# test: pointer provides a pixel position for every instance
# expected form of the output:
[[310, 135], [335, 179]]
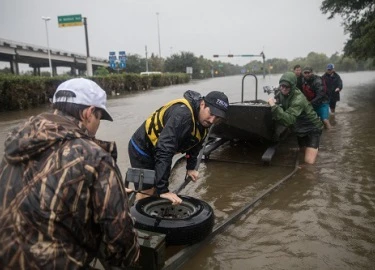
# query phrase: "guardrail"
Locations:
[[37, 48]]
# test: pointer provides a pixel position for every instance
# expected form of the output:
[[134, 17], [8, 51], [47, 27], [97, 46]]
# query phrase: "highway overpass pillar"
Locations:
[[36, 71], [89, 66], [14, 65]]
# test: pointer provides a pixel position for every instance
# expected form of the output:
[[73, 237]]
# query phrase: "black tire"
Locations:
[[187, 223]]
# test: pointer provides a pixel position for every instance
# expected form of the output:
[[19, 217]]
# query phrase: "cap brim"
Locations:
[[287, 84], [217, 112], [106, 116]]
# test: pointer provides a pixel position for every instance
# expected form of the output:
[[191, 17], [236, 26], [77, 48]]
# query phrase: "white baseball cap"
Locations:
[[86, 92]]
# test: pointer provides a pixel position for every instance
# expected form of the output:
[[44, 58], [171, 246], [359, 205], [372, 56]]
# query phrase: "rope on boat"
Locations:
[[182, 256]]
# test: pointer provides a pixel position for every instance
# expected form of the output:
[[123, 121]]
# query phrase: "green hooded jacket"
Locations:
[[294, 110]]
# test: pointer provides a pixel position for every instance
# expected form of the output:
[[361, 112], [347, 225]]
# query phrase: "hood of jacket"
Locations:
[[40, 133], [290, 78], [194, 99]]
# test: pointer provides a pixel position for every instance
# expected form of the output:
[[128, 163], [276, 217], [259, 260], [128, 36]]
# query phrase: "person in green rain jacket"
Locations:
[[291, 109]]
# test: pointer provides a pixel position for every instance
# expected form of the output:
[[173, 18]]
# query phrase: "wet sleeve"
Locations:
[[287, 117], [192, 154], [319, 92], [339, 82], [177, 126], [119, 246]]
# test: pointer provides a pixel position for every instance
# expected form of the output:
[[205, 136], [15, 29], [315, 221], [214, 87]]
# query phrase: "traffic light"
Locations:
[[230, 55], [216, 55]]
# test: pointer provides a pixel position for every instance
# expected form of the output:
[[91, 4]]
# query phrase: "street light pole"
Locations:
[[88, 58], [46, 19], [146, 59], [157, 16]]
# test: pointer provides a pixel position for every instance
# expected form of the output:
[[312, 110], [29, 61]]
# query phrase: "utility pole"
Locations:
[[46, 19], [146, 59], [157, 16]]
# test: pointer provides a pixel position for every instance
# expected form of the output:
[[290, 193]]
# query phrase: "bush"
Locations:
[[21, 92]]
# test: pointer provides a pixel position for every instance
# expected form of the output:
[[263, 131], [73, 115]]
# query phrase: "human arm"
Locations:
[[111, 211], [320, 94], [192, 159], [193, 174], [177, 127], [339, 83], [172, 197], [286, 117]]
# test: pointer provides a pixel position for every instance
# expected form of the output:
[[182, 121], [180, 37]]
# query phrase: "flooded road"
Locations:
[[321, 218]]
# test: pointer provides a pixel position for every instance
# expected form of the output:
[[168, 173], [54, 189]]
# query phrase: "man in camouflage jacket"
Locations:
[[62, 199]]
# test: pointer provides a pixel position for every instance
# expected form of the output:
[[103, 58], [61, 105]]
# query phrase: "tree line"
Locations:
[[205, 68]]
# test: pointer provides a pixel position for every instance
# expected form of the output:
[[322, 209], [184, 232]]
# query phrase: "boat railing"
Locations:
[[256, 86]]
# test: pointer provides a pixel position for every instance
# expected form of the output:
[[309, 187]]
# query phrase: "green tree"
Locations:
[[348, 64], [335, 58], [155, 63], [359, 22], [178, 63], [318, 61], [297, 61], [135, 64], [204, 67], [278, 65], [101, 71]]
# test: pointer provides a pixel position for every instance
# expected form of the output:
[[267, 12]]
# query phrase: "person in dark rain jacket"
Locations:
[[62, 195], [313, 88], [334, 86], [179, 126], [292, 109]]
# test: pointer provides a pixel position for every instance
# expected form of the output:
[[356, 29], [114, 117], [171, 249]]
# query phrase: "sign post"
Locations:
[[247, 55], [76, 20], [112, 60], [122, 58]]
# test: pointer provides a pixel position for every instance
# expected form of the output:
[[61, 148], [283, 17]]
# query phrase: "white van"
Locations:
[[151, 73]]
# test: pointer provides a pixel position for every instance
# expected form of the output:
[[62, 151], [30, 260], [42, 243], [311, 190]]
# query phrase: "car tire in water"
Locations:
[[186, 223]]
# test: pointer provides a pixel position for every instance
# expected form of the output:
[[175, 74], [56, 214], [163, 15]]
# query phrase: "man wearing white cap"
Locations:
[[62, 195]]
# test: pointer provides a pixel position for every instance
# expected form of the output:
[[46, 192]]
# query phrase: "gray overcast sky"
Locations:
[[282, 28]]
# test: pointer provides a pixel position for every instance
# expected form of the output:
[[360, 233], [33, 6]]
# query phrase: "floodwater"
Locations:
[[321, 218]]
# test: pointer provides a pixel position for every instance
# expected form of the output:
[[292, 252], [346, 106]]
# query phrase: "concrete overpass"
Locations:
[[37, 57]]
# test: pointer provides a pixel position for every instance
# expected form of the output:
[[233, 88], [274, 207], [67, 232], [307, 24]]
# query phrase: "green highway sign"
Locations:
[[70, 20]]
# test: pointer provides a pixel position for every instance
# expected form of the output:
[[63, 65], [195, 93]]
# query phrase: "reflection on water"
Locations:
[[322, 218]]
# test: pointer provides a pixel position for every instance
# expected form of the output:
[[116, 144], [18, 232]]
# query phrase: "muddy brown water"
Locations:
[[321, 218]]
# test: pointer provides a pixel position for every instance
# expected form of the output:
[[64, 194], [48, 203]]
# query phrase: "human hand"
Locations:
[[271, 101], [337, 90], [193, 175], [172, 197]]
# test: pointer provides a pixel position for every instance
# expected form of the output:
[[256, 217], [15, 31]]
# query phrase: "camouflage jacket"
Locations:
[[61, 198]]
